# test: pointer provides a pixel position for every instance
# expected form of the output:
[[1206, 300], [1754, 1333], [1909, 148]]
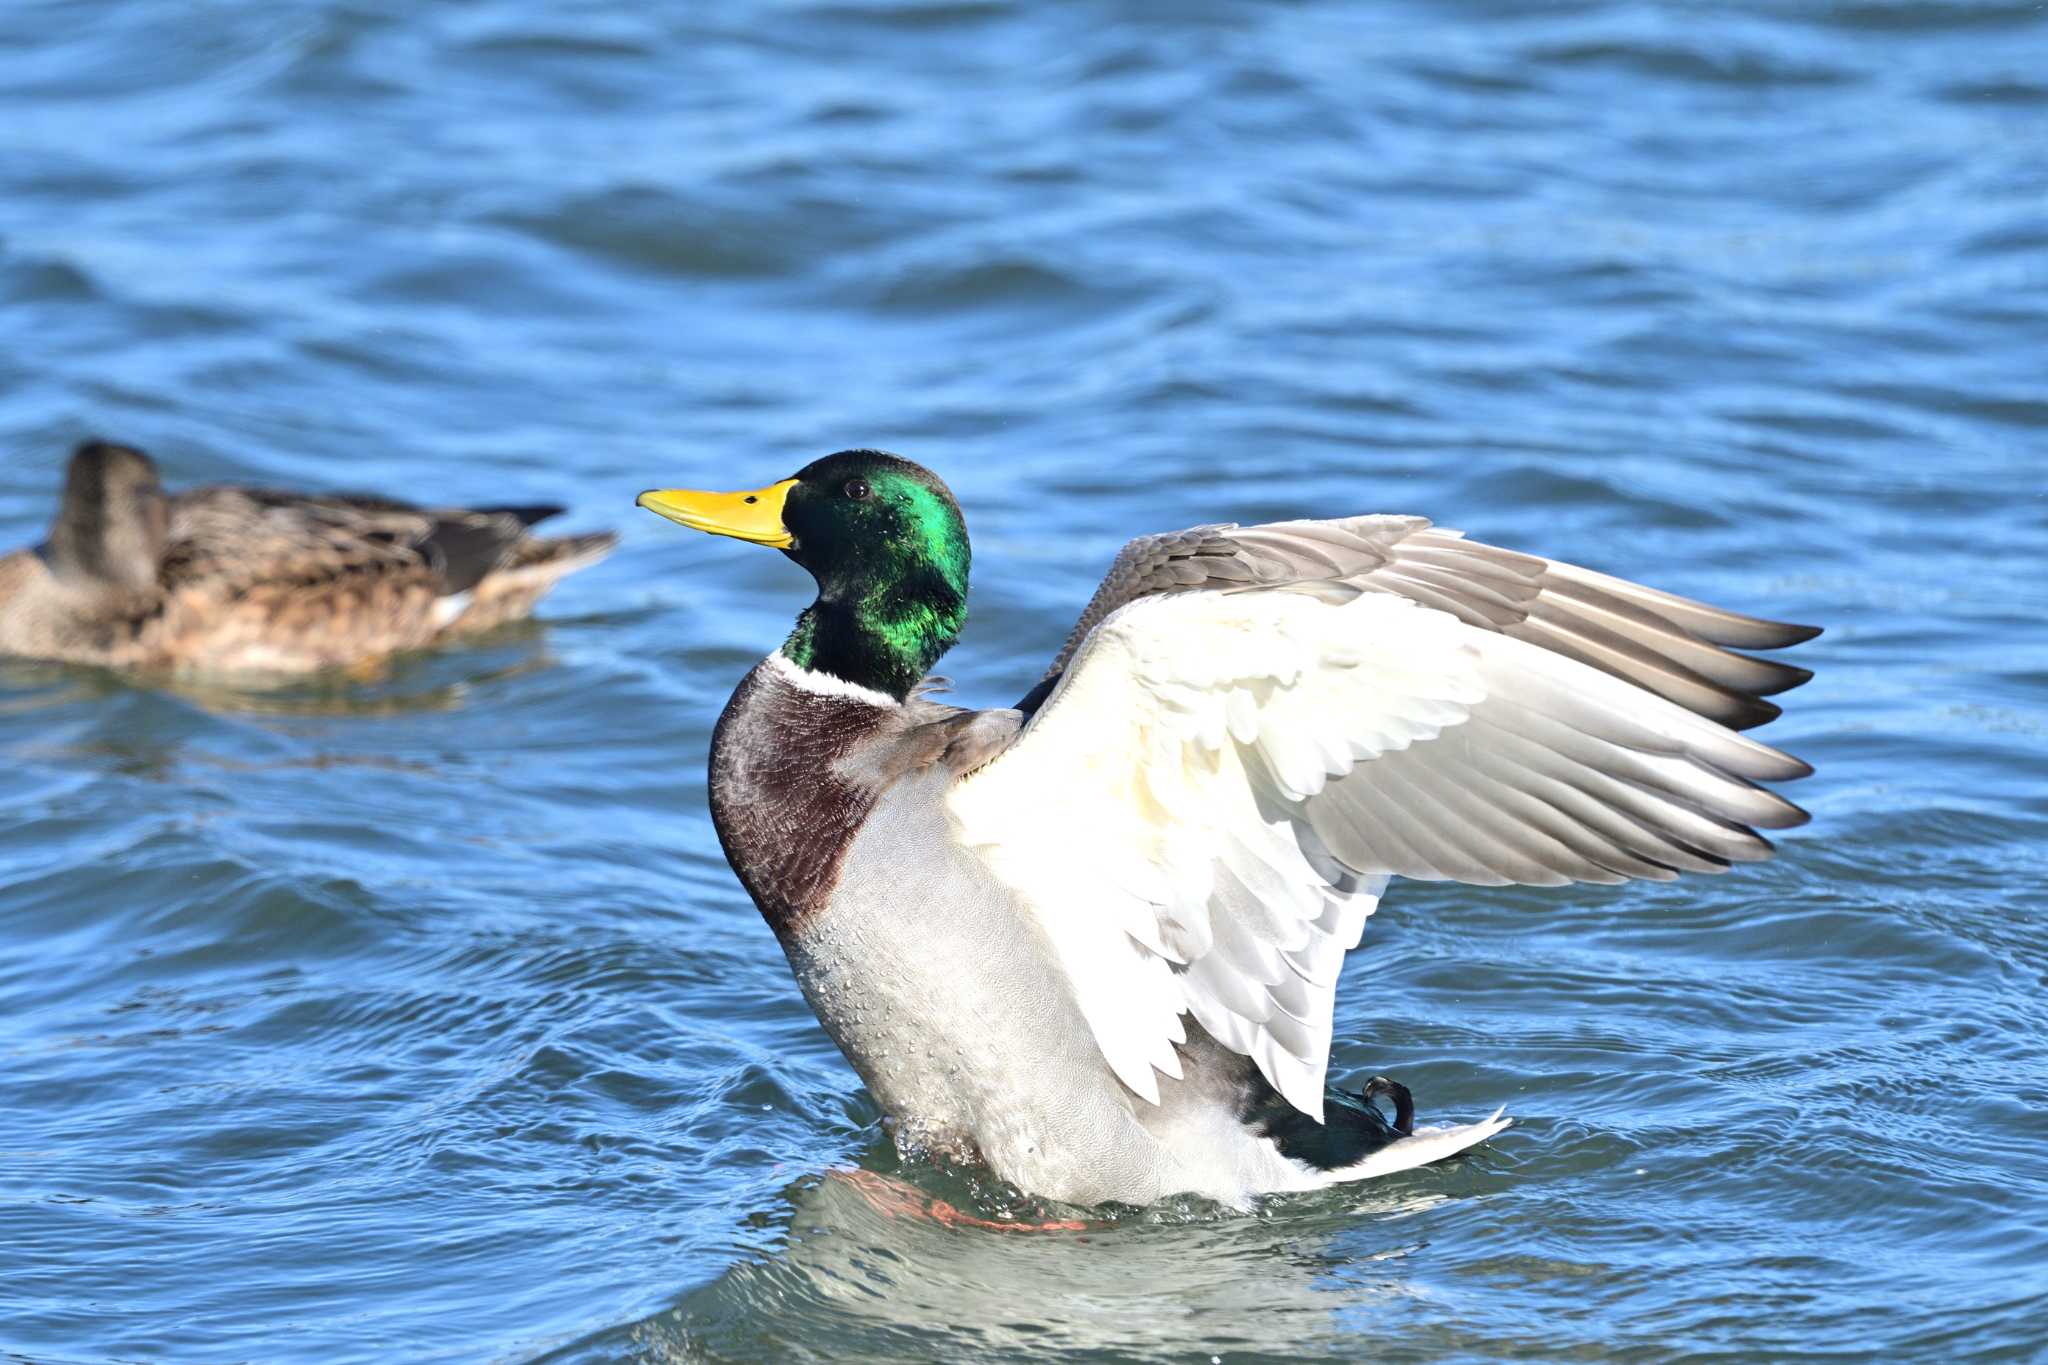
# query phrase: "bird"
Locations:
[[230, 580], [1091, 942]]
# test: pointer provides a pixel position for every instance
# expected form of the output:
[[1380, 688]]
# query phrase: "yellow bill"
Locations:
[[754, 516]]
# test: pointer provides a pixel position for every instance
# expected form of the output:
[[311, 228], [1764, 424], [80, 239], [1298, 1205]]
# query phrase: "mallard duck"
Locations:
[[227, 579], [1093, 941]]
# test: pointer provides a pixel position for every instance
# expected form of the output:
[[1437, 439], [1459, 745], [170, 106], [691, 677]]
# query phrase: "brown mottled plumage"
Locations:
[[227, 579]]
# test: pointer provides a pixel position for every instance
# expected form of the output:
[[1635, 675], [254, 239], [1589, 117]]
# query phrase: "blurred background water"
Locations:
[[420, 1019]]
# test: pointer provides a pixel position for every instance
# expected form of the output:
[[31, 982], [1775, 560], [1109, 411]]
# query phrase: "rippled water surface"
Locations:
[[419, 1018]]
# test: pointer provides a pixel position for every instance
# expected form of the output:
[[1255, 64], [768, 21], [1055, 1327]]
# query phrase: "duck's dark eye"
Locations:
[[858, 489]]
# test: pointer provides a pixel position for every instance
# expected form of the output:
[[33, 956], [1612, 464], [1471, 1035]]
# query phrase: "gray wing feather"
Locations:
[[1173, 561], [1682, 650]]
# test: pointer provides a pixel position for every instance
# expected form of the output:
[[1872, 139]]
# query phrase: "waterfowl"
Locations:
[[1093, 940], [230, 579]]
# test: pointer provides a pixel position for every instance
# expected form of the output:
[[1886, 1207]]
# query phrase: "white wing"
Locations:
[[1208, 804]]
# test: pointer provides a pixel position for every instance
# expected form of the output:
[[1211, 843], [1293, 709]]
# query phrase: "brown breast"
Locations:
[[784, 797]]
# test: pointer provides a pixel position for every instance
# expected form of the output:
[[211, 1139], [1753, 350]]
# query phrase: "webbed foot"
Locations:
[[897, 1198]]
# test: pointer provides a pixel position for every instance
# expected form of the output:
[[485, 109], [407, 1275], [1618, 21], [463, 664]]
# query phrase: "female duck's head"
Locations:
[[113, 523], [884, 540]]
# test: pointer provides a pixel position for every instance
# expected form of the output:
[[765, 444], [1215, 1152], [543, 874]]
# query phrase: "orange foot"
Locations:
[[901, 1199]]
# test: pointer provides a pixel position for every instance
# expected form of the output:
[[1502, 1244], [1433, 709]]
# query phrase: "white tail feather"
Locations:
[[1423, 1146]]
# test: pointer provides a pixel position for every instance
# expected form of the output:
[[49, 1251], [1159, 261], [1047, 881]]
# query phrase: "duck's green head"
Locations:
[[886, 543]]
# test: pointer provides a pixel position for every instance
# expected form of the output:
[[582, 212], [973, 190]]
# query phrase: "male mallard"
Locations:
[[1094, 941], [248, 579]]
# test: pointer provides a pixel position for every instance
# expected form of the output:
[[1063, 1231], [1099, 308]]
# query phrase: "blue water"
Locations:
[[419, 1018]]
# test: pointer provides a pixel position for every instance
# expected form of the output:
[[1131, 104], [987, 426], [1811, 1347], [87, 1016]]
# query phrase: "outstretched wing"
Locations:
[[1256, 727]]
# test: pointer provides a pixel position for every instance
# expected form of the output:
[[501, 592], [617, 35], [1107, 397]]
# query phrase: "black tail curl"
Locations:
[[1403, 1101], [1353, 1126]]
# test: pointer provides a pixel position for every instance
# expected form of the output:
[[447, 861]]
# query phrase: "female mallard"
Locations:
[[247, 579], [1094, 941]]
